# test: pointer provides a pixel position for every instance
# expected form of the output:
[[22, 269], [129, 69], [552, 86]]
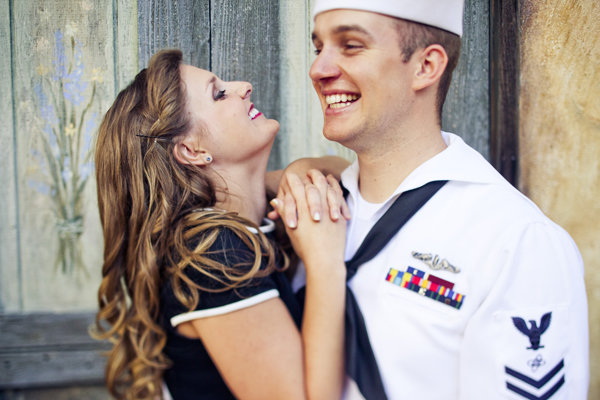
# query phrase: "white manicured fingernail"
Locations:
[[317, 216]]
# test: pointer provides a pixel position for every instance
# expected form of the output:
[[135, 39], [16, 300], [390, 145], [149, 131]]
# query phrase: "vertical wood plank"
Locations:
[[294, 134], [245, 46], [466, 111], [301, 132], [182, 24], [504, 88], [10, 282], [36, 59], [125, 33]]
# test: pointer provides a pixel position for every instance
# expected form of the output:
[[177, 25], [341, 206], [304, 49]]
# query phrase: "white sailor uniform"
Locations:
[[479, 296]]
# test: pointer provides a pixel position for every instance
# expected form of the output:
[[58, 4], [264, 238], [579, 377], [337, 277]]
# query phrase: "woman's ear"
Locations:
[[188, 151], [432, 64]]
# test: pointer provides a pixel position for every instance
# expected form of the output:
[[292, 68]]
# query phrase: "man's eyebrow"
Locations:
[[345, 28]]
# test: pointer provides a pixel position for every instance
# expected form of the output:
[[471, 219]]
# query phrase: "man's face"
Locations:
[[362, 83]]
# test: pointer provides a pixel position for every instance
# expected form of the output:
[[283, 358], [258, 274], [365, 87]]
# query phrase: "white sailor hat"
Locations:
[[444, 14]]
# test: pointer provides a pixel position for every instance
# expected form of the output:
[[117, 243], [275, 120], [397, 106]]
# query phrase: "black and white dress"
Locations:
[[193, 374]]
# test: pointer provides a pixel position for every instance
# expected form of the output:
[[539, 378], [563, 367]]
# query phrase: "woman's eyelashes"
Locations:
[[220, 95]]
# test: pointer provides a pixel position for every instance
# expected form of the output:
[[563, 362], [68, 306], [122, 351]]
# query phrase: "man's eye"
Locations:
[[220, 95], [352, 46]]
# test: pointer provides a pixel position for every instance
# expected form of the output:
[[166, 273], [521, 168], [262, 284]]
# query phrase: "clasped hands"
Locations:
[[314, 212]]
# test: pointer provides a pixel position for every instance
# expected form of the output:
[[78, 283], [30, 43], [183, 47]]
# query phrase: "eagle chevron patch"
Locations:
[[529, 384]]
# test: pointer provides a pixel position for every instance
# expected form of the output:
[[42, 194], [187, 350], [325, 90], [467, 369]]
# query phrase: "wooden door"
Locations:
[[63, 63]]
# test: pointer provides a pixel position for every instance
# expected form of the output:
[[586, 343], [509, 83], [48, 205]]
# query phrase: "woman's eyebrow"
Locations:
[[211, 81]]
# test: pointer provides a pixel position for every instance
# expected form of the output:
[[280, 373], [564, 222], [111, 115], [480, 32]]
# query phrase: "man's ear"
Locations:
[[188, 151], [432, 63]]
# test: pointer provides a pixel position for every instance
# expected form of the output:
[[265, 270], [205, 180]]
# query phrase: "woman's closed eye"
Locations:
[[220, 95]]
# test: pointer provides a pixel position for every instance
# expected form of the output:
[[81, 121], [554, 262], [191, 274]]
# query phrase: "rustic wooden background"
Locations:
[[45, 351]]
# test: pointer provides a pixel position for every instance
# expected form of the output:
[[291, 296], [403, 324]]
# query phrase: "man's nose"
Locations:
[[325, 66]]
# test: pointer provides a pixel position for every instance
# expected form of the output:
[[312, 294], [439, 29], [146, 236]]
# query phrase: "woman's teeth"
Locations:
[[253, 113], [340, 100]]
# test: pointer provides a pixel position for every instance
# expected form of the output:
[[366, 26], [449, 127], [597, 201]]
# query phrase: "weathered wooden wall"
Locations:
[[57, 50], [63, 61], [236, 39], [467, 107], [560, 131], [466, 111], [264, 42]]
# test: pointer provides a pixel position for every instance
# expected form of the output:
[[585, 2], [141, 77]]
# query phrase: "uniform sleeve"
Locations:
[[529, 337], [229, 250]]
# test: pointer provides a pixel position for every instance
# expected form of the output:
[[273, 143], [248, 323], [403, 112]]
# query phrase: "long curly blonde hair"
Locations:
[[152, 208]]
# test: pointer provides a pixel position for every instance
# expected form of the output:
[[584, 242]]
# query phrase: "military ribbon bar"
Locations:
[[426, 285]]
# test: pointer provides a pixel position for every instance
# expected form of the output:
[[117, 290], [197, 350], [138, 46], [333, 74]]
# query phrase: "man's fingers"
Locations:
[[335, 199], [313, 198], [274, 214], [333, 202]]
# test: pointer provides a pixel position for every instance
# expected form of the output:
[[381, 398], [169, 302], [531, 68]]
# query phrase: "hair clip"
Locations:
[[156, 138]]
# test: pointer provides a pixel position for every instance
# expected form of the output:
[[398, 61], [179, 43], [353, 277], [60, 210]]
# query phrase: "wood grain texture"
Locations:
[[10, 265], [86, 36], [466, 111], [49, 350], [182, 24], [504, 89], [125, 38], [301, 132], [245, 46]]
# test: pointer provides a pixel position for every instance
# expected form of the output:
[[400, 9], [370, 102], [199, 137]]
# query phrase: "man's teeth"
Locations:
[[253, 113], [340, 100]]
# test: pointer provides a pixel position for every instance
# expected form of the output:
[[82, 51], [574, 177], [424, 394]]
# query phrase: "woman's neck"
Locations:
[[243, 191]]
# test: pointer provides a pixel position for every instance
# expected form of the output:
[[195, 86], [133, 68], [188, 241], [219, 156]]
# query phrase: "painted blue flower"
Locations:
[[74, 87], [60, 59], [67, 130]]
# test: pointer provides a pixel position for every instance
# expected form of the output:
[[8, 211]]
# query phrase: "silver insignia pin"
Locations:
[[434, 262]]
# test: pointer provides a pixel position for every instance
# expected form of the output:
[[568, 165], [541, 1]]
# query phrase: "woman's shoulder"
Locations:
[[222, 267]]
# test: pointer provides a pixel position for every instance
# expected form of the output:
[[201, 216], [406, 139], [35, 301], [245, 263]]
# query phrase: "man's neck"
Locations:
[[383, 170]]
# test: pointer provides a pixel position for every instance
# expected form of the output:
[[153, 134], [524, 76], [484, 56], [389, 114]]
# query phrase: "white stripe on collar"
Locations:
[[268, 226]]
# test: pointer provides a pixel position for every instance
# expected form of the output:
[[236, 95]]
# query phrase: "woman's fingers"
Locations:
[[315, 193], [295, 200], [316, 188], [313, 200]]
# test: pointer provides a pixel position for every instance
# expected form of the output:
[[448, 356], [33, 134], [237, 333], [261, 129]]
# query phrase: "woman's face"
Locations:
[[232, 130]]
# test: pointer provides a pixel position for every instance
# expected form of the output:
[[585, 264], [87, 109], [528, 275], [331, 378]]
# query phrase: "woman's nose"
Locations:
[[243, 89]]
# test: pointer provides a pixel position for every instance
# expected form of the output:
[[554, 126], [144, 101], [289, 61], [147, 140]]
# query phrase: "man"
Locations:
[[479, 295]]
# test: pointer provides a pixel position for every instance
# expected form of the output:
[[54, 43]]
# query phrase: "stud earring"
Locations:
[[208, 159]]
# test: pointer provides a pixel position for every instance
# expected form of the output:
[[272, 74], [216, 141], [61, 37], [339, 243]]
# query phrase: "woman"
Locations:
[[192, 288]]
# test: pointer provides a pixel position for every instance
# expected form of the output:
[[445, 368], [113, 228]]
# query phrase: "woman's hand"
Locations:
[[313, 237], [320, 244], [284, 206], [329, 203]]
